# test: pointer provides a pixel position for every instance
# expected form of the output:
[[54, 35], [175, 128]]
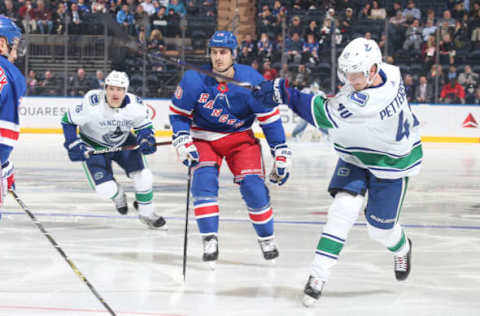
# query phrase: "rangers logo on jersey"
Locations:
[[3, 79]]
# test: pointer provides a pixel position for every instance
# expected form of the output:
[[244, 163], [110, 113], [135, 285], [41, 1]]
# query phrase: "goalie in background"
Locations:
[[105, 119], [375, 134], [12, 89]]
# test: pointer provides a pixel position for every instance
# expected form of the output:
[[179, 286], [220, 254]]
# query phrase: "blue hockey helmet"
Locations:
[[9, 30], [223, 39]]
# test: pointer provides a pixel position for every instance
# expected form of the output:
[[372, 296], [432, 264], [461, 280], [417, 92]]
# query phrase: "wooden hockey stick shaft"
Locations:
[[128, 42], [122, 148], [62, 253]]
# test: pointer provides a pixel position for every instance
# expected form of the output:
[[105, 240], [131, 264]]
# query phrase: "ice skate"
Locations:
[[402, 264], [312, 291], [154, 221], [268, 247], [210, 250], [121, 203]]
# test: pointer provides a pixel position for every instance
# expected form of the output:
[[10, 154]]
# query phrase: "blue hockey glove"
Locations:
[[77, 151], [272, 93], [186, 150], [281, 164], [146, 140]]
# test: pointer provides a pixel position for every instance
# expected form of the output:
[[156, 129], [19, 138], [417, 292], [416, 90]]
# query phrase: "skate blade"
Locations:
[[308, 301]]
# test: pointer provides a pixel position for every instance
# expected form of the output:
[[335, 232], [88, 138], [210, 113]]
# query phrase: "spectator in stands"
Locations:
[[264, 46], [447, 50], [458, 10], [76, 17], [43, 17], [148, 7], [377, 12], [26, 13], [423, 91], [267, 22], [474, 27], [411, 12], [114, 7], [310, 50], [11, 12], [428, 51], [436, 73], [245, 57], [398, 20], [475, 9], [177, 6], [285, 73], [452, 93], [409, 87], [460, 37], [32, 83], [156, 42], [163, 3], [301, 77], [346, 22], [473, 98], [413, 36], [468, 79], [396, 7], [126, 20], [428, 29], [447, 18], [173, 22], [250, 44], [365, 11], [159, 20], [269, 73], [98, 82], [79, 83], [313, 29], [452, 72], [58, 18], [294, 48], [278, 9], [50, 85], [296, 26], [142, 21]]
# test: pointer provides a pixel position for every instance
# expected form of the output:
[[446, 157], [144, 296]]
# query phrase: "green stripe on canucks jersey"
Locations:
[[66, 118], [91, 142], [384, 160], [150, 126], [319, 113]]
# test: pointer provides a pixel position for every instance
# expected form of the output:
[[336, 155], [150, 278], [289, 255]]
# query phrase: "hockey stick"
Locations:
[[121, 148], [128, 42], [185, 238], [62, 253]]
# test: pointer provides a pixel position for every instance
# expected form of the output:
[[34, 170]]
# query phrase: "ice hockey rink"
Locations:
[[139, 271]]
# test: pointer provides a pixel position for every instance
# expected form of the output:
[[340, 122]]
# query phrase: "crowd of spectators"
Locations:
[[410, 34]]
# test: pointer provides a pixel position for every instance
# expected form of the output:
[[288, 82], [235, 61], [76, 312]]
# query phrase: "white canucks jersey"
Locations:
[[373, 128], [103, 126]]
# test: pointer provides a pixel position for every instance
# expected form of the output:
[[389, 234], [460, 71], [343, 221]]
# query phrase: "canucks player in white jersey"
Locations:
[[106, 119], [375, 133]]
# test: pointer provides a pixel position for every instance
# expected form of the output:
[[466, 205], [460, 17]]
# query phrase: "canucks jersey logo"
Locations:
[[115, 137], [359, 98]]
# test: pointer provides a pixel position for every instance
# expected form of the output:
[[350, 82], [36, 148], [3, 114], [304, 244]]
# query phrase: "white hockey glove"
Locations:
[[7, 180], [282, 156], [186, 150]]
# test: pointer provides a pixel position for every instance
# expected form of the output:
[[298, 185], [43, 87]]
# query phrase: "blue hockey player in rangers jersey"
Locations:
[[12, 89], [212, 120], [375, 133]]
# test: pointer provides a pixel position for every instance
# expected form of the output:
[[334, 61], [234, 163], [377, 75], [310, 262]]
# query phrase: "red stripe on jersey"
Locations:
[[206, 210], [8, 133], [263, 118], [180, 113], [261, 217]]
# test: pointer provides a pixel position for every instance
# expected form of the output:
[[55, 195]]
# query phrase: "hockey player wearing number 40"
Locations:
[[105, 119], [212, 120], [375, 133]]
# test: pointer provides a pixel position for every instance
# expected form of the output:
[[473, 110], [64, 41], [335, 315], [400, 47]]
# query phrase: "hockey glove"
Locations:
[[186, 150], [281, 164], [146, 141], [272, 93], [7, 180], [77, 151]]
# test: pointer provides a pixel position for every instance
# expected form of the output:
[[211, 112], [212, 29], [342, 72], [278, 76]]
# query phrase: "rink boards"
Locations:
[[439, 123]]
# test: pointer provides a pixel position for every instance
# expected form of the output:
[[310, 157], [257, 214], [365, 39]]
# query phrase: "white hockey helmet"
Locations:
[[117, 79], [359, 56]]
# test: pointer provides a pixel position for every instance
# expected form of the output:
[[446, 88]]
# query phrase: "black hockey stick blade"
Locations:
[[122, 148]]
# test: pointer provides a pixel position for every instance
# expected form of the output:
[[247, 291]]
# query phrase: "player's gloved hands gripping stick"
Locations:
[[187, 152], [282, 156], [272, 93], [146, 141]]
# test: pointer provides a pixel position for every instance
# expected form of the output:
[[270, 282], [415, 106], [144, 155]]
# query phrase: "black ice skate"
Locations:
[[313, 290], [210, 249], [268, 247], [121, 203], [154, 221], [402, 264]]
